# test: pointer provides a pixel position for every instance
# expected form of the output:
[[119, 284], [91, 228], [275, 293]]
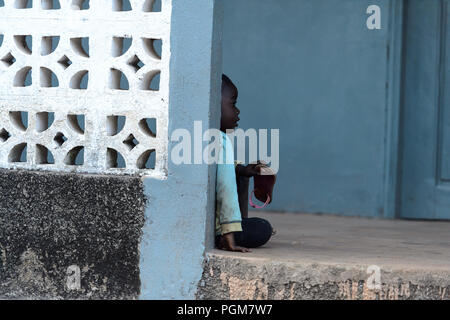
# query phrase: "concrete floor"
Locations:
[[340, 240], [331, 257]]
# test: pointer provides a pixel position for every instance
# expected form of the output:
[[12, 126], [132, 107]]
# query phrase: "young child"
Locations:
[[235, 231]]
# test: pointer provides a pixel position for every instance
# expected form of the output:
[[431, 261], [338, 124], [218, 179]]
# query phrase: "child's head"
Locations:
[[229, 118]]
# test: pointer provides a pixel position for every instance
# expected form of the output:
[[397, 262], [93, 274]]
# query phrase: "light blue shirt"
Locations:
[[228, 214]]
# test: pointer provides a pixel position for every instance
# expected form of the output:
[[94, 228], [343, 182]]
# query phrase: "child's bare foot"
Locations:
[[227, 243]]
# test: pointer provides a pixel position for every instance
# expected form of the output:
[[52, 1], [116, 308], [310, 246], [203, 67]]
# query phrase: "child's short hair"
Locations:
[[226, 80]]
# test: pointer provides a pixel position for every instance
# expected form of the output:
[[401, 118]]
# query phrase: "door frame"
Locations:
[[394, 82], [395, 158]]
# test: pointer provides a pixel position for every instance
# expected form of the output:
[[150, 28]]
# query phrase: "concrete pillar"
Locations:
[[179, 218]]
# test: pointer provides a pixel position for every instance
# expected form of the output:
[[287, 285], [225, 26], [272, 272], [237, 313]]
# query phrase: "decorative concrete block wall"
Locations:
[[84, 86]]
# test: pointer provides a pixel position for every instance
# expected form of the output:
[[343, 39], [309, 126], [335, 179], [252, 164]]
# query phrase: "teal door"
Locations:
[[425, 156]]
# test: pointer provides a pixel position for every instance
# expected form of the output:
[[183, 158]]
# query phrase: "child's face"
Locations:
[[229, 118]]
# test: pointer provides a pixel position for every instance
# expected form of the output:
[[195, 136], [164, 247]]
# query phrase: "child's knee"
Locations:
[[269, 230], [265, 224], [265, 228]]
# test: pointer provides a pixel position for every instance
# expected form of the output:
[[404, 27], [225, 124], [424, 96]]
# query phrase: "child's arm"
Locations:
[[243, 175], [248, 171]]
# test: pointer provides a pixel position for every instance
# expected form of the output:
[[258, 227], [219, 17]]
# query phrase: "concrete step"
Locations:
[[332, 257]]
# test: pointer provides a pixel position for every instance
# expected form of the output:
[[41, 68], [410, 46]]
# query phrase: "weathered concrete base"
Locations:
[[327, 257], [233, 278], [49, 222]]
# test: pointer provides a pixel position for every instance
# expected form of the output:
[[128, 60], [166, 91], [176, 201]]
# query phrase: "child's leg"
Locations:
[[242, 188], [255, 233]]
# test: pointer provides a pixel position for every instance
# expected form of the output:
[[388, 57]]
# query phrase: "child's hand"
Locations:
[[249, 171], [227, 243]]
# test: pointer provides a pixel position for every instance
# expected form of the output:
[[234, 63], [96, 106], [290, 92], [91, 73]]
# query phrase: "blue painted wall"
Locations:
[[179, 218], [312, 69]]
